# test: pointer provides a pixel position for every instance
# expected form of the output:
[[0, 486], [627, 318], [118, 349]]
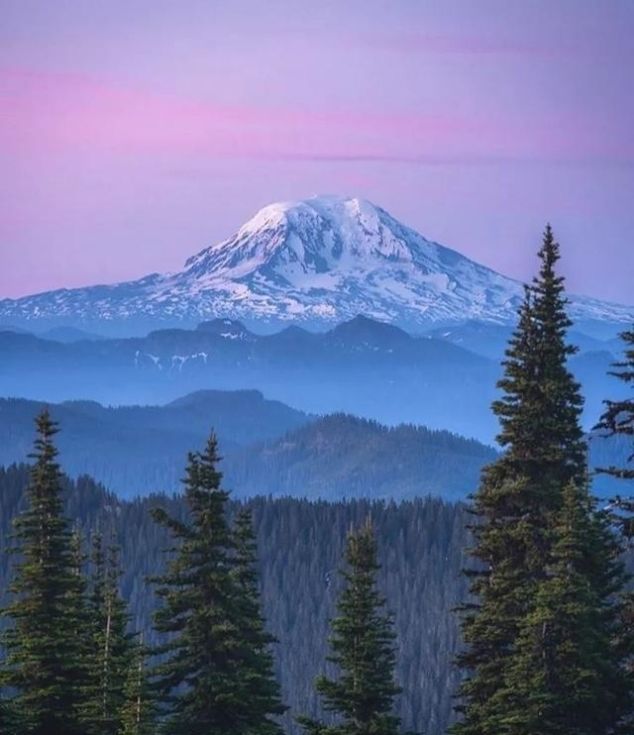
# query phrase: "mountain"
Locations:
[[361, 367], [68, 334], [268, 448], [491, 340], [136, 449], [314, 262], [341, 456]]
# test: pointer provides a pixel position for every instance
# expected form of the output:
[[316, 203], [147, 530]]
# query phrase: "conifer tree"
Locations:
[[565, 678], [520, 497], [362, 645], [138, 713], [110, 644], [198, 682], [260, 689], [78, 601], [44, 653]]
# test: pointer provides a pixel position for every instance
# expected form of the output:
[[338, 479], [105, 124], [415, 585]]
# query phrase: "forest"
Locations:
[[510, 614], [300, 545]]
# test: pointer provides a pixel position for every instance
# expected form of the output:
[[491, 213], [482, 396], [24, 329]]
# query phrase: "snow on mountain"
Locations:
[[317, 261]]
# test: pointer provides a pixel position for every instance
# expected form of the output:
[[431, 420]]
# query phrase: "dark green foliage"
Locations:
[[138, 713], [541, 405], [45, 662], [363, 651], [564, 449], [196, 682], [565, 676], [618, 417], [300, 546], [517, 507], [111, 646], [210, 665], [260, 691]]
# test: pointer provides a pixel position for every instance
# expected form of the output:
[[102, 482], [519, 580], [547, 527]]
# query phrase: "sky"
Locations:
[[134, 133]]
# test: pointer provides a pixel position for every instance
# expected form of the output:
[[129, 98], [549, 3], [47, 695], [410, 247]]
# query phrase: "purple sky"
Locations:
[[133, 133]]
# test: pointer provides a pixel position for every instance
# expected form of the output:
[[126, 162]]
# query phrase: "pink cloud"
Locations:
[[75, 114], [47, 112]]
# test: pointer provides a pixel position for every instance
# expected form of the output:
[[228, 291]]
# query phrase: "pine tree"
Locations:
[[78, 599], [520, 495], [618, 417], [563, 448], [138, 714], [564, 678], [362, 645], [45, 662], [260, 690], [111, 645], [618, 421], [198, 680]]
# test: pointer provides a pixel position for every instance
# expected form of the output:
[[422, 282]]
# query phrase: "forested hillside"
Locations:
[[141, 449], [421, 547], [268, 448], [342, 456]]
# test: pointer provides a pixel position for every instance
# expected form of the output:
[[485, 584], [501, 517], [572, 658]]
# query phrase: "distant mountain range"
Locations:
[[315, 262], [491, 340], [362, 367], [267, 448]]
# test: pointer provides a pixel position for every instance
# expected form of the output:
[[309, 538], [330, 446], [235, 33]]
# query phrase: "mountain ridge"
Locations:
[[268, 448], [374, 370]]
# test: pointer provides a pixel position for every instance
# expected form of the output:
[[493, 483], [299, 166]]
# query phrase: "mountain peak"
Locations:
[[326, 205], [363, 328], [220, 326], [312, 235]]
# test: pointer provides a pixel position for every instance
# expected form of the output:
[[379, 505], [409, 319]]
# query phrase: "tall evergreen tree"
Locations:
[[78, 600], [520, 497], [111, 644], [362, 645], [138, 713], [45, 661], [564, 677], [260, 689], [200, 680]]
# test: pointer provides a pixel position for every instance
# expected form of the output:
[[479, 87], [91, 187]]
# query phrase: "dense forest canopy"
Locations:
[[421, 548]]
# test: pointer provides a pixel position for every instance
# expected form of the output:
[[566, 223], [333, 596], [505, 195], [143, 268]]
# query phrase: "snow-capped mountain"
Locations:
[[317, 262]]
